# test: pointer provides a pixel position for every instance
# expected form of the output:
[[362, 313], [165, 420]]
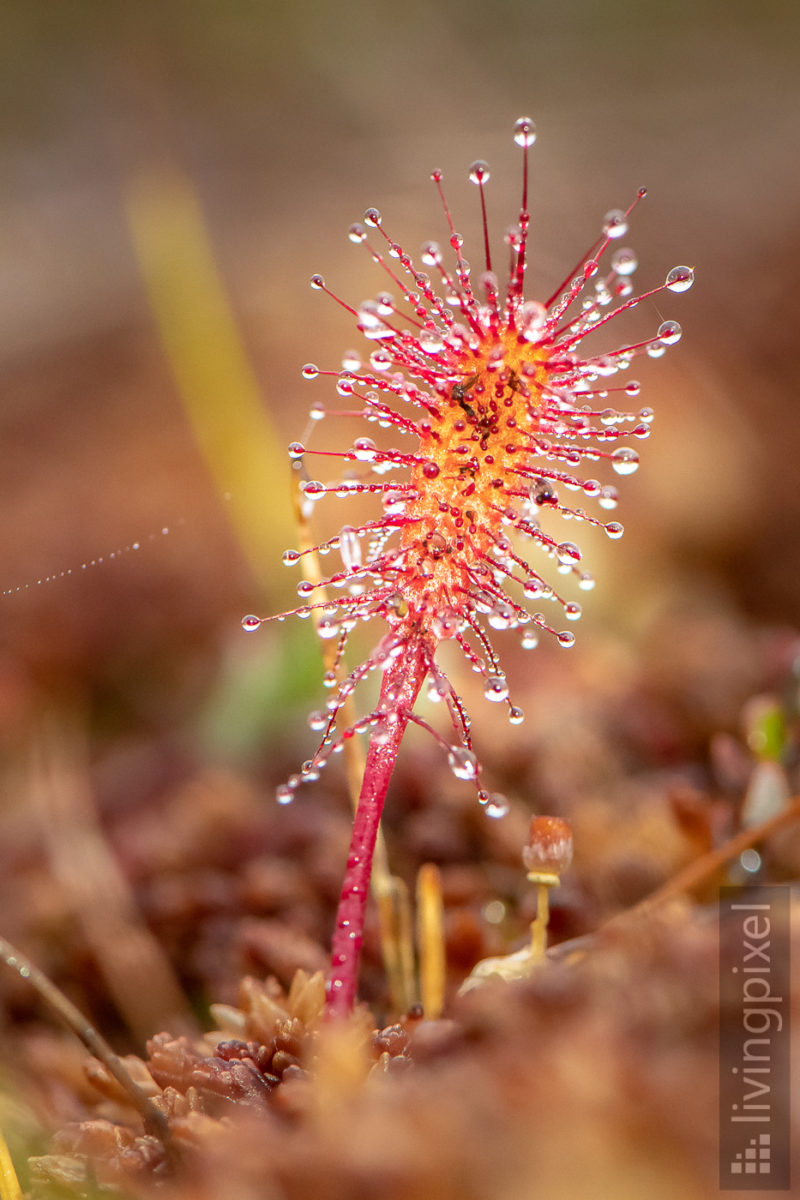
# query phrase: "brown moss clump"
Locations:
[[565, 1085]]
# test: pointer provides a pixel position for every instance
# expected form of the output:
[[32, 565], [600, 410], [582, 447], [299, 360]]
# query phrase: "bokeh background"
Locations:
[[171, 175]]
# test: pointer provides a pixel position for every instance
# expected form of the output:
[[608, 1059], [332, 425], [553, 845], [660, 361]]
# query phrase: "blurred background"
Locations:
[[170, 176]]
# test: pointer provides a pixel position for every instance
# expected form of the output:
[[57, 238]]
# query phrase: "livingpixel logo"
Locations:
[[754, 1038]]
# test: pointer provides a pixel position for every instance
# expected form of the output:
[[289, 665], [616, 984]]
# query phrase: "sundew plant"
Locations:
[[504, 426]]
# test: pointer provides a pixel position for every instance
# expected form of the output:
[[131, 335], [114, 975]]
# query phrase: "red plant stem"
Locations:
[[402, 681]]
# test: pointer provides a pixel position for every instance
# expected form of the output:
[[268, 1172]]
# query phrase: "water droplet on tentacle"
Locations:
[[328, 627], [431, 254], [669, 332], [568, 554], [680, 279], [364, 449], [495, 804], [524, 132], [625, 461], [615, 223], [479, 172], [496, 688], [463, 763], [624, 261]]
